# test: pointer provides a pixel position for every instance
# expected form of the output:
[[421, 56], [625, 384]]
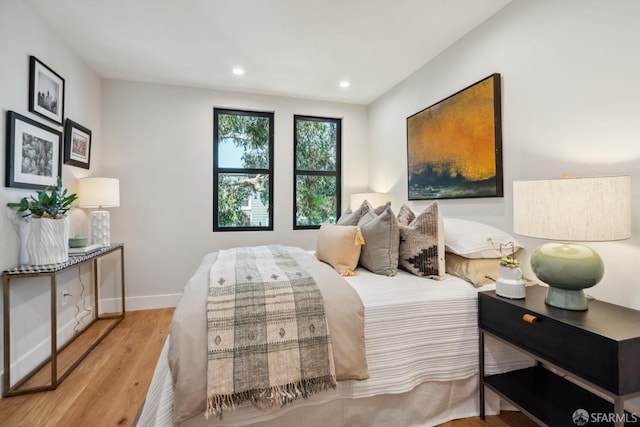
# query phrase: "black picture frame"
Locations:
[[46, 91], [77, 145], [454, 147], [32, 153]]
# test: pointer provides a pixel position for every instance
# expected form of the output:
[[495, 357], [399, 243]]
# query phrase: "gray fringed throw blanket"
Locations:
[[267, 336]]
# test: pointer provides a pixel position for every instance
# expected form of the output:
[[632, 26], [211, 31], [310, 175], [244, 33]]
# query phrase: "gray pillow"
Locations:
[[379, 254], [352, 218], [421, 250]]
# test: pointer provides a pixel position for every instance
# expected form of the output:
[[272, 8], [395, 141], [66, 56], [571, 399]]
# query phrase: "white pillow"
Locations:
[[472, 239]]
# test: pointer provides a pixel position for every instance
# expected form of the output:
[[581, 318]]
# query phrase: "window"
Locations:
[[317, 179], [242, 170]]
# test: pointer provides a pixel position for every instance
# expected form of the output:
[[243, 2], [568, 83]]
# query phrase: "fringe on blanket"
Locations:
[[265, 399]]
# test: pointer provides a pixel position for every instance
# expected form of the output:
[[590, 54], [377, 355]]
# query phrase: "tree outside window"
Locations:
[[242, 170], [317, 178]]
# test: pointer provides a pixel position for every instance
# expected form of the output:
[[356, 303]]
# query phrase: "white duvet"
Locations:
[[419, 330]]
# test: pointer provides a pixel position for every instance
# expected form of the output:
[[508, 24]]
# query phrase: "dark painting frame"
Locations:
[[32, 153], [454, 147], [77, 145], [46, 91]]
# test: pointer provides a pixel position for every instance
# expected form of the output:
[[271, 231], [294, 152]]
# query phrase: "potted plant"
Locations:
[[509, 261], [47, 242], [509, 283]]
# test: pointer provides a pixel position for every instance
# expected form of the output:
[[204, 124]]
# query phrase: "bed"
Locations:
[[405, 347], [422, 354]]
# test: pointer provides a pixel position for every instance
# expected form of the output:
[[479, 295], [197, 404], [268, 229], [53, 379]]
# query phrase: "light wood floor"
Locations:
[[109, 386]]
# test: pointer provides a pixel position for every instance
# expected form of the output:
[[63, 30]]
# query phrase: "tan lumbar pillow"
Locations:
[[340, 246]]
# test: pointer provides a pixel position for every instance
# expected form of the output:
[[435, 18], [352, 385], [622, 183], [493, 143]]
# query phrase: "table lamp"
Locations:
[[571, 209], [99, 193]]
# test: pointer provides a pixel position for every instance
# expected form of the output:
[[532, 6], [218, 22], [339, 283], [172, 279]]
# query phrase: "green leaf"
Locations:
[[53, 205]]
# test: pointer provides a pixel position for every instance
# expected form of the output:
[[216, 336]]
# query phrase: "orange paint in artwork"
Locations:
[[458, 134]]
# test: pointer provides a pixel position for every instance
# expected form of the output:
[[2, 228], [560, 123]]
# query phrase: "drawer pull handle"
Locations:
[[529, 318]]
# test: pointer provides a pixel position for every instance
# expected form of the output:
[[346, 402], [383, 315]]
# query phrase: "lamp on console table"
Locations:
[[99, 193], [571, 209]]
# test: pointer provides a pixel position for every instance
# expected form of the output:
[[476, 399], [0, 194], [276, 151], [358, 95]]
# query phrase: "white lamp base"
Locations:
[[100, 228]]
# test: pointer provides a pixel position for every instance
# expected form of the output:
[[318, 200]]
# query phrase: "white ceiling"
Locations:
[[299, 48]]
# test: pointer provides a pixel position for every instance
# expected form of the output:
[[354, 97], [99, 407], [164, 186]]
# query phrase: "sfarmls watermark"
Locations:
[[582, 417]]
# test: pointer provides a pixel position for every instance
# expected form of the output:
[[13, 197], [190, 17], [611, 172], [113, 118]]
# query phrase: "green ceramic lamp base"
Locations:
[[566, 299], [568, 269]]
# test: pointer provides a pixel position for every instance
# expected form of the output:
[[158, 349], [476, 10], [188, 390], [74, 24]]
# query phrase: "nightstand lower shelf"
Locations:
[[562, 398]]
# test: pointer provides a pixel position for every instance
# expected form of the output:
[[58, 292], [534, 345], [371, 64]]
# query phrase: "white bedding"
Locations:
[[421, 334], [419, 329]]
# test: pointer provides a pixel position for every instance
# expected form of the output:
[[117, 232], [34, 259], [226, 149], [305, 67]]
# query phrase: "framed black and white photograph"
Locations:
[[46, 91], [33, 153], [77, 145]]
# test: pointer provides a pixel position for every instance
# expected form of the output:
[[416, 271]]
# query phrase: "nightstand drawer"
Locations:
[[590, 356]]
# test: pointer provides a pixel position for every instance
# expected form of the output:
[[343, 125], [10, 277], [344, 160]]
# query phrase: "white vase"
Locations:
[[48, 241], [510, 283], [24, 225]]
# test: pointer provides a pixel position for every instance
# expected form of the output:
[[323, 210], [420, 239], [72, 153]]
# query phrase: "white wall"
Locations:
[[570, 94], [23, 34], [159, 143]]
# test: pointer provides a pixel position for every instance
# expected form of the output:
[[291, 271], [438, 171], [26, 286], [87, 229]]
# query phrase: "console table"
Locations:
[[110, 320], [599, 348]]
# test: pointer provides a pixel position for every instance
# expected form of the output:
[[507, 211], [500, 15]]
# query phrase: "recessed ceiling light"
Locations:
[[238, 71], [345, 83]]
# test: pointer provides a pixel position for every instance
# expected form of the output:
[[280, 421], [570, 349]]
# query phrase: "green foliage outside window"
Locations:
[[243, 170], [317, 161], [315, 199], [250, 134], [316, 145]]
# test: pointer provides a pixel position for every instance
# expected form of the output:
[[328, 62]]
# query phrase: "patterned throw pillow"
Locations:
[[380, 231], [421, 250]]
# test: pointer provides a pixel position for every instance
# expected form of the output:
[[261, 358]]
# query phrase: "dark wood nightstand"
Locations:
[[599, 347]]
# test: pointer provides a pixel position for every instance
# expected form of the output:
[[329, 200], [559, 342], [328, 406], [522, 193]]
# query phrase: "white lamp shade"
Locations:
[[573, 209], [376, 199], [98, 192]]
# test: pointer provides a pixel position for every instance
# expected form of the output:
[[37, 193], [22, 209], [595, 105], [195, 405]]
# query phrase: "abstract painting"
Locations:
[[454, 147]]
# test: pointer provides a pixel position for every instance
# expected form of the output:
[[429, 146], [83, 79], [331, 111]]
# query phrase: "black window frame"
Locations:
[[218, 170], [337, 173]]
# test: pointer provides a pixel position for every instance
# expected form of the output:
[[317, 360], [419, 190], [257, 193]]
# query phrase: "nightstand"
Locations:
[[599, 348]]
